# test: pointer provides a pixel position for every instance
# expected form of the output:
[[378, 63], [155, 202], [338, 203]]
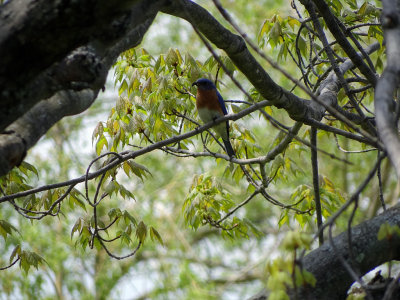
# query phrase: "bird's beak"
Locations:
[[194, 83]]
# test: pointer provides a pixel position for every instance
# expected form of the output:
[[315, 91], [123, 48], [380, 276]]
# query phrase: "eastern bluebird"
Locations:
[[210, 106]]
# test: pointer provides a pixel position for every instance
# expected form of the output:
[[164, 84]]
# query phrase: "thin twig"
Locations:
[[315, 175]]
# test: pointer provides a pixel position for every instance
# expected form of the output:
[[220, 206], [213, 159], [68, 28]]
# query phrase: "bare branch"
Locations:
[[315, 176], [340, 37]]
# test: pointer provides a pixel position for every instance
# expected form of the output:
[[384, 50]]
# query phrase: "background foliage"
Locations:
[[203, 229]]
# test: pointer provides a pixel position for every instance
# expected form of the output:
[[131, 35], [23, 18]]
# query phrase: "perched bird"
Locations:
[[210, 106]]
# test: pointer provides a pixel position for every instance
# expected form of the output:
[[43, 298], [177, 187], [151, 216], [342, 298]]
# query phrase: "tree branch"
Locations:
[[385, 109], [126, 155], [334, 28], [333, 281], [78, 79], [51, 32], [236, 49]]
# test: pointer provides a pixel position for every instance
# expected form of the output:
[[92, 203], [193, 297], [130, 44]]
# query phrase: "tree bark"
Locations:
[[38, 40], [386, 110], [333, 279], [70, 53]]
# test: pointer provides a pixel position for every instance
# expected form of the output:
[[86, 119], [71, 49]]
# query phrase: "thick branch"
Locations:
[[38, 44], [333, 281], [42, 32], [27, 130], [385, 110], [78, 77]]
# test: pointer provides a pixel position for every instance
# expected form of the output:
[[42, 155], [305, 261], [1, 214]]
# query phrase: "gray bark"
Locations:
[[333, 279], [55, 60], [385, 108]]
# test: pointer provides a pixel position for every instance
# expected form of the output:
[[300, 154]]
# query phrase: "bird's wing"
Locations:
[[222, 103], [223, 107]]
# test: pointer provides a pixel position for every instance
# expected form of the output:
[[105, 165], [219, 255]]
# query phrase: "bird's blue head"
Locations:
[[204, 84]]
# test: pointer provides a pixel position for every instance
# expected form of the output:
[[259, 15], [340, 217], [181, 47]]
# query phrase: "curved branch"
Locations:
[[78, 77], [11, 264], [27, 130], [52, 31]]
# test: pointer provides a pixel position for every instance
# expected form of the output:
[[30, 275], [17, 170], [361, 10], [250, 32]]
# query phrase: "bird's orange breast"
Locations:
[[208, 99]]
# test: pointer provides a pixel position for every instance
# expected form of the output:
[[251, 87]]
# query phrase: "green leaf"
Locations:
[[29, 259], [278, 295], [138, 169], [302, 45], [293, 22], [128, 218], [114, 213], [77, 227], [28, 166], [79, 202], [295, 240], [123, 87], [172, 58], [110, 188], [15, 252], [387, 231], [124, 192], [276, 32], [265, 28], [100, 144], [154, 235], [98, 131], [23, 263], [141, 231], [6, 229], [97, 244], [125, 238]]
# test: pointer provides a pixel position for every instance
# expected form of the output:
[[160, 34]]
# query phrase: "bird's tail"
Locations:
[[228, 148]]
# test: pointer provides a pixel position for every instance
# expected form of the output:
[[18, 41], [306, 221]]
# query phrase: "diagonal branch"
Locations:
[[236, 49], [126, 155], [340, 37]]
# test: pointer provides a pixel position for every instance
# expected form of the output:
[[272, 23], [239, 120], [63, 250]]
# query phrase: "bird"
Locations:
[[210, 106]]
